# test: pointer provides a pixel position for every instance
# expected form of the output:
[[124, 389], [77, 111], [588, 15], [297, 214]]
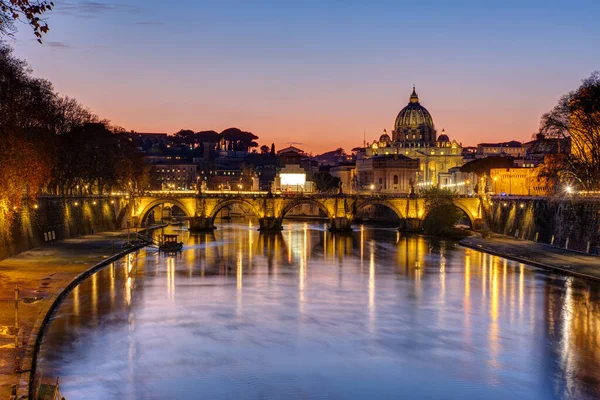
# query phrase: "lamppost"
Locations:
[[495, 179]]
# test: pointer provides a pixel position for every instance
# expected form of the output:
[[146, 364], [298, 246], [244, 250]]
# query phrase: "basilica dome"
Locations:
[[414, 123]]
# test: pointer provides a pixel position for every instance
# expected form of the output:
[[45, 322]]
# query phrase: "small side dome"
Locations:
[[384, 138], [443, 137]]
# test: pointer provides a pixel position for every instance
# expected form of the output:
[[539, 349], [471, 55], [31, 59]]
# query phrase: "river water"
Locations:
[[307, 314]]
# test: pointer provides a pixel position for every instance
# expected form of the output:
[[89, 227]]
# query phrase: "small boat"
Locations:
[[176, 222], [170, 244]]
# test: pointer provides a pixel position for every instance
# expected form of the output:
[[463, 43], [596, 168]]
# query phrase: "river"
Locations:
[[307, 314]]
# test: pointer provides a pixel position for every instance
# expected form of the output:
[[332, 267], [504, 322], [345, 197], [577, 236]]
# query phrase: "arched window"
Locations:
[[395, 179]]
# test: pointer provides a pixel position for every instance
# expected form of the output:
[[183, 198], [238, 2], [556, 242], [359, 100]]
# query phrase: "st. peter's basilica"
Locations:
[[388, 164]]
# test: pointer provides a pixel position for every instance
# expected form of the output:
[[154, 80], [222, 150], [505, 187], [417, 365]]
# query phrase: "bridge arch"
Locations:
[[225, 203], [378, 202], [465, 210], [305, 200], [155, 203]]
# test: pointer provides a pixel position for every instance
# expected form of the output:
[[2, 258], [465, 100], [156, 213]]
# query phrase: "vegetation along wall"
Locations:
[[563, 222]]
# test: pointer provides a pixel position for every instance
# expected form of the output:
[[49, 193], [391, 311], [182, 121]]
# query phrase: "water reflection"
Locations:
[[305, 314]]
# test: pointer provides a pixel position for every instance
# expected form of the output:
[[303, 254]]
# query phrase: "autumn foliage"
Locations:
[[50, 144]]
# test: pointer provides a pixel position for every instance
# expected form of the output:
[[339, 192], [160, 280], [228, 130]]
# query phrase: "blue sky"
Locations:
[[319, 73]]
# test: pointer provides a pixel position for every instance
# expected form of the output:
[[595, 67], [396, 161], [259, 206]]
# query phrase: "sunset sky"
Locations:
[[318, 73]]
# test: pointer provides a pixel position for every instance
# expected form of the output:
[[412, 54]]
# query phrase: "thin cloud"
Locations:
[[148, 23], [58, 45], [90, 9]]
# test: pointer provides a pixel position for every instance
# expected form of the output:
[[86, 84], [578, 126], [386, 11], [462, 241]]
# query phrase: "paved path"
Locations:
[[41, 273], [538, 254]]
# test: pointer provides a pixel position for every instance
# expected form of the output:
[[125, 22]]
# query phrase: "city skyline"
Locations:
[[315, 74]]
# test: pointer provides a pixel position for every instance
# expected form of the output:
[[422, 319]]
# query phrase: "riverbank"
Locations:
[[538, 254], [41, 274]]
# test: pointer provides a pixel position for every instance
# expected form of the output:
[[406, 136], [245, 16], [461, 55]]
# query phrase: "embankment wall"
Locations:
[[58, 218], [572, 220]]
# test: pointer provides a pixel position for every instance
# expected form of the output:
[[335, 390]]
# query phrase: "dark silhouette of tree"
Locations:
[[325, 182], [483, 166], [207, 137], [264, 149], [185, 136], [576, 116], [239, 140], [273, 148], [441, 213], [26, 11]]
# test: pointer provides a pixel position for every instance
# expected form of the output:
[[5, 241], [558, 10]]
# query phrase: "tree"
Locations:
[[27, 110], [238, 139], [264, 149], [442, 214], [26, 11], [207, 137], [325, 182], [577, 116]]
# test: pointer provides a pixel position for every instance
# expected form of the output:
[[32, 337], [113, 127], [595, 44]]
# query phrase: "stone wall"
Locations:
[[574, 220], [59, 218]]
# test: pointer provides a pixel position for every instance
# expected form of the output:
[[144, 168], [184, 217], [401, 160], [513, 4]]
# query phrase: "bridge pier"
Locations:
[[340, 224], [410, 225], [270, 224], [478, 224], [201, 224]]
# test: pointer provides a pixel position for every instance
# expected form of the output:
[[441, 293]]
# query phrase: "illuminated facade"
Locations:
[[388, 173], [414, 136], [525, 181]]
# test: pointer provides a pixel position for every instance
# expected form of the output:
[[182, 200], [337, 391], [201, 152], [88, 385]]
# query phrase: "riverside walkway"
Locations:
[[41, 274], [539, 255]]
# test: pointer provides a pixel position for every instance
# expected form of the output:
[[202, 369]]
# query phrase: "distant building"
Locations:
[[509, 149], [290, 156], [292, 178], [537, 150], [174, 176], [523, 181], [387, 174], [347, 175]]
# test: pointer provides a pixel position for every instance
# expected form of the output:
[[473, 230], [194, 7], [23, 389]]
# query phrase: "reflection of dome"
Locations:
[[414, 123], [443, 137]]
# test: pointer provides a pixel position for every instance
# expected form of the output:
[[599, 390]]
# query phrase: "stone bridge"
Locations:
[[271, 209]]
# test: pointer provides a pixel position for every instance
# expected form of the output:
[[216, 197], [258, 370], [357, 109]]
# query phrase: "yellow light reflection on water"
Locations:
[[372, 286], [171, 279]]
